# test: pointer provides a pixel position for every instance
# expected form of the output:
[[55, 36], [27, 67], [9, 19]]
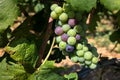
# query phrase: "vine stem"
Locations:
[[43, 46], [49, 51]]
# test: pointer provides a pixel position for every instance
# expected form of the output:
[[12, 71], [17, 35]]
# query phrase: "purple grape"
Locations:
[[77, 37], [58, 30], [72, 22], [64, 37], [69, 48]]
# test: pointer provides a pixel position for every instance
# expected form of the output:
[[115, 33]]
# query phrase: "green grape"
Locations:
[[88, 55], [63, 17], [80, 53], [71, 14], [58, 39], [71, 40], [94, 51], [82, 64], [53, 6], [94, 60], [65, 27], [54, 15], [87, 62], [81, 59], [85, 48], [78, 28], [62, 45], [74, 58], [58, 10], [71, 32], [79, 46], [92, 66], [60, 23]]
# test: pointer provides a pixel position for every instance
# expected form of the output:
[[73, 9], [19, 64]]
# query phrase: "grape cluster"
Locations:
[[70, 39]]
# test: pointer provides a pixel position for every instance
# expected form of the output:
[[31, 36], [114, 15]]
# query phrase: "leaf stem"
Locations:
[[49, 51]]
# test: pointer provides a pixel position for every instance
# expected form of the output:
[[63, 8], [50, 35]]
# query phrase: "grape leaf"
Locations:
[[46, 72], [12, 71], [82, 5], [71, 76], [23, 50], [8, 13], [111, 4]]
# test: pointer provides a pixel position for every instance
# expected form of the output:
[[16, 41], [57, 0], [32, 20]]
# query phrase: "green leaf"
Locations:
[[71, 76], [111, 4], [82, 5], [46, 72], [23, 50], [8, 13], [12, 71]]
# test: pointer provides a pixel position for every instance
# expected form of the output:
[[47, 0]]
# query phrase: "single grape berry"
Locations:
[[71, 32], [71, 14], [78, 28], [80, 53], [74, 58], [69, 48], [77, 37], [64, 37], [79, 46], [94, 60], [58, 30], [54, 15], [71, 41], [72, 22], [53, 6], [87, 62], [81, 59], [85, 48], [60, 23], [58, 39], [88, 55], [62, 45], [65, 27], [63, 17], [58, 10], [93, 66]]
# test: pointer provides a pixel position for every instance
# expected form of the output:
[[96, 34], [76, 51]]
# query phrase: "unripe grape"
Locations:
[[69, 48], [85, 48], [77, 28], [81, 59], [60, 23], [94, 60], [93, 66], [79, 46], [77, 37], [65, 27], [58, 39], [88, 55], [72, 22], [71, 32], [54, 15], [63, 17], [80, 53], [62, 45], [58, 10], [58, 30], [87, 62], [71, 41], [71, 14], [64, 37], [74, 58], [53, 6]]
